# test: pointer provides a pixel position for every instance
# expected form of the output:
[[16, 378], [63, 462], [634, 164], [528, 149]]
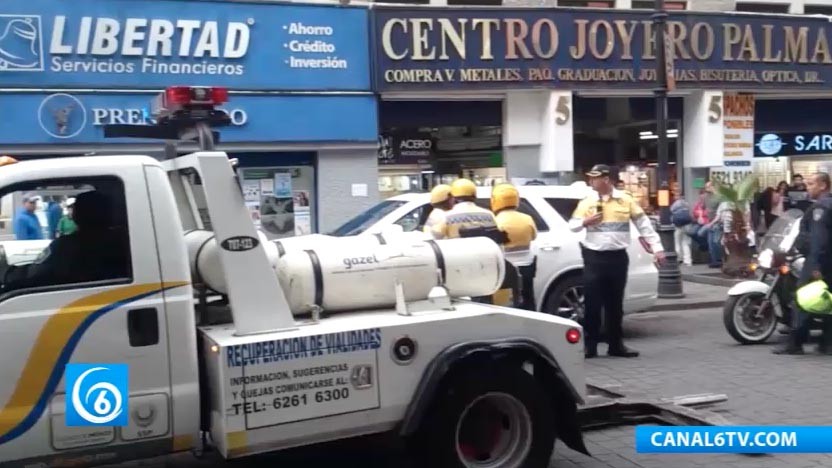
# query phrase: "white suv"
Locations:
[[557, 285]]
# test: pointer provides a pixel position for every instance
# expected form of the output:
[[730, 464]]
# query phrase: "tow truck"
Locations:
[[168, 323]]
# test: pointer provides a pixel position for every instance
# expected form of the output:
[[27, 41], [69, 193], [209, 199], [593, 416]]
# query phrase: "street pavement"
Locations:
[[684, 352]]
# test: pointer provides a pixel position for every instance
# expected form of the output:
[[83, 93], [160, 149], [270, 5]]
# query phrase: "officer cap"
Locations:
[[504, 196], [440, 193], [599, 170], [463, 188]]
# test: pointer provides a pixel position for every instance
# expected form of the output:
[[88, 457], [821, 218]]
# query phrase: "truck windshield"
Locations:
[[366, 219]]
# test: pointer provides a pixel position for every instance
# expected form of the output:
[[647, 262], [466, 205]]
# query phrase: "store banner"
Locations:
[[63, 118], [476, 48], [738, 124], [406, 148], [158, 43], [792, 144]]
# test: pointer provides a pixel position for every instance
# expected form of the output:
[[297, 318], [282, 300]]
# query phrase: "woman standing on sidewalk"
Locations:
[[680, 216]]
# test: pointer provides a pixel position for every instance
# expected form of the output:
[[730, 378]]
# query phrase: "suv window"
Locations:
[[65, 232], [364, 220], [525, 207], [415, 220], [564, 206]]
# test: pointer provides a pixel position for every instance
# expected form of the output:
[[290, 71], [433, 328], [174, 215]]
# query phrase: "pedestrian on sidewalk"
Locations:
[[606, 215], [681, 216]]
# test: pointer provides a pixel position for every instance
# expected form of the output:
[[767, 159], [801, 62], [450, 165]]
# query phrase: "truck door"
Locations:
[[92, 296]]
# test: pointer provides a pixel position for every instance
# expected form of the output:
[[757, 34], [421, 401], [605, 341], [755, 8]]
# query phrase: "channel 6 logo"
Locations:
[[96, 394]]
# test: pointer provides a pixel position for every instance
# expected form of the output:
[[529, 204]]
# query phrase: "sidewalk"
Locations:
[[697, 296], [704, 275]]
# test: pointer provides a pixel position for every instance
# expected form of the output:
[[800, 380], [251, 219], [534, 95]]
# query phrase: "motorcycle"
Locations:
[[755, 307]]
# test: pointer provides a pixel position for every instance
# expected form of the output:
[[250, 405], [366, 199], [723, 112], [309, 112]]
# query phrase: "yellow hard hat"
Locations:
[[440, 193], [463, 188], [504, 196], [6, 160]]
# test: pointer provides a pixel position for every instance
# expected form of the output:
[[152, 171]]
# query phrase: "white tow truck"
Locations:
[[167, 323]]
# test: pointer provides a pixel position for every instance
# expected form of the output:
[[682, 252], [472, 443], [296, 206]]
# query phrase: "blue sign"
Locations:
[[469, 48], [153, 44], [97, 394], [733, 439], [792, 144], [64, 118]]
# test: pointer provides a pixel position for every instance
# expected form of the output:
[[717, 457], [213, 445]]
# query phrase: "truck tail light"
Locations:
[[573, 335]]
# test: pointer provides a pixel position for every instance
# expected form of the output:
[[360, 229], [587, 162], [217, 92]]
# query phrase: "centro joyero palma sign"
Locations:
[[571, 48]]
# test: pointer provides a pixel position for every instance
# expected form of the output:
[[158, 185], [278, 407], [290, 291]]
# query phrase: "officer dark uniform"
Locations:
[[815, 243], [521, 231], [606, 215]]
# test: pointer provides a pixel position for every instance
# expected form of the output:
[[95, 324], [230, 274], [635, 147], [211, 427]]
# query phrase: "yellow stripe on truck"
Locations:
[[53, 349]]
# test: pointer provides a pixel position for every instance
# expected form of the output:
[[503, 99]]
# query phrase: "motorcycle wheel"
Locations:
[[743, 320]]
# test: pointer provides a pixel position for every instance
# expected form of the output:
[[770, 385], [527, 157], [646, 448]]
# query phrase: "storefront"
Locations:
[[300, 101], [575, 85]]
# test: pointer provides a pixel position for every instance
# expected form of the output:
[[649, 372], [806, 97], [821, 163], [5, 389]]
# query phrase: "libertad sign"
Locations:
[[465, 48]]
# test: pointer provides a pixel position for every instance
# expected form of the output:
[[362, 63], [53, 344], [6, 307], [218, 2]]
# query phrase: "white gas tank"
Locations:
[[363, 276], [203, 254], [348, 242]]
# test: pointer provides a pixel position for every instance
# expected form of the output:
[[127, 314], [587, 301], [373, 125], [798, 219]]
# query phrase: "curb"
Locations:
[[710, 280], [674, 307]]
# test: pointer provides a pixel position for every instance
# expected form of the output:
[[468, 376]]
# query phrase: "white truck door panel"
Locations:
[[115, 318]]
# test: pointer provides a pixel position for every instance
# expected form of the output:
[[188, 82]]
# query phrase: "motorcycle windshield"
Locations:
[[783, 232]]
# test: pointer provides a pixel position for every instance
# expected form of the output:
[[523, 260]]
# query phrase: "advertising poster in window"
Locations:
[[738, 132], [277, 210], [303, 216]]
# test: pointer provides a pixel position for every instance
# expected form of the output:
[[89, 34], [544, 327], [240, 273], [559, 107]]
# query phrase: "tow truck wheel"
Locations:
[[490, 418]]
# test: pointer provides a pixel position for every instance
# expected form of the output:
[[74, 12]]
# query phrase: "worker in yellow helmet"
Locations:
[[521, 231], [441, 201], [465, 214]]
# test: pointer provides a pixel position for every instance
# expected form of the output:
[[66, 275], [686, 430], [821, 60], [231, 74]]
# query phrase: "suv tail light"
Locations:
[[645, 245]]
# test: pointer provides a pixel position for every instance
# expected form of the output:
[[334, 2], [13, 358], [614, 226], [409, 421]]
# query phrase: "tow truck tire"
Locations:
[[489, 417]]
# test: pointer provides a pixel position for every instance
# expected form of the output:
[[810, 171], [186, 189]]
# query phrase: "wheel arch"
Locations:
[[558, 279], [564, 397]]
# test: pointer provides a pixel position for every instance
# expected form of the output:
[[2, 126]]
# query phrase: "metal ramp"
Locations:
[[606, 406]]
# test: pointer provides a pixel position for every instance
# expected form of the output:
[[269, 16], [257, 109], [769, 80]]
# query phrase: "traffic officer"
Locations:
[[465, 214], [815, 242], [606, 214], [521, 231], [441, 201]]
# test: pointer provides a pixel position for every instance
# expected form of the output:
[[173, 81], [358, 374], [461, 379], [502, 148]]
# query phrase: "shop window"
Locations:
[[763, 7], [564, 206], [525, 207], [650, 5], [586, 3], [280, 199], [65, 234], [817, 10]]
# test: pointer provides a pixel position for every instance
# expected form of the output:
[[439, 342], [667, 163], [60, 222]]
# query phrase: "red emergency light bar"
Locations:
[[188, 95]]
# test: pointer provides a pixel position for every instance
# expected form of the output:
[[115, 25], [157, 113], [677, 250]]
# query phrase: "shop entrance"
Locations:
[[621, 132], [426, 143]]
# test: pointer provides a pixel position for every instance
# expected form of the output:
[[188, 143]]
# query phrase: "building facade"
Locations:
[[301, 104], [519, 94]]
